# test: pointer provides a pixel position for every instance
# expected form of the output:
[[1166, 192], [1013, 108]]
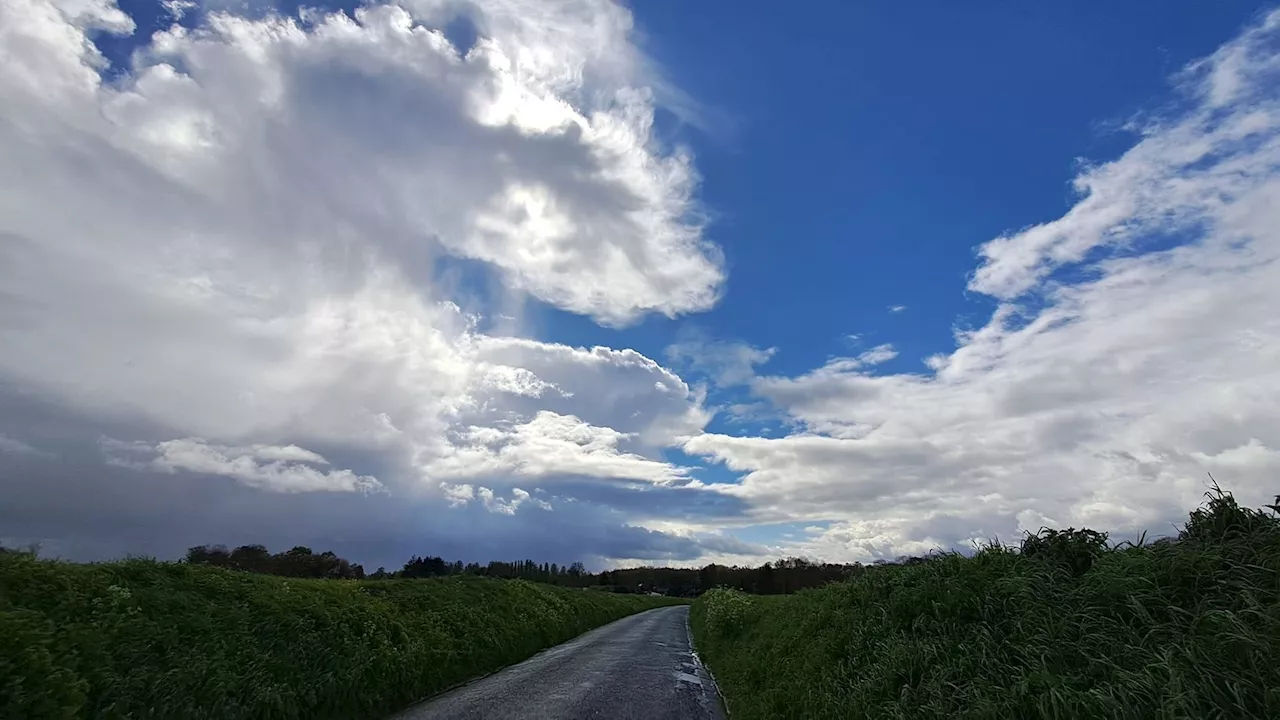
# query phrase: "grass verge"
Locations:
[[146, 639], [1067, 628]]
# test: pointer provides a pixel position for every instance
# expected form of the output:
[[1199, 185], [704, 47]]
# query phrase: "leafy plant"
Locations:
[[1185, 627], [1071, 549], [147, 639]]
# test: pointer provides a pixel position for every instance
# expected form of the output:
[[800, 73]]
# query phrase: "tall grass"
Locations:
[[1066, 628], [145, 639]]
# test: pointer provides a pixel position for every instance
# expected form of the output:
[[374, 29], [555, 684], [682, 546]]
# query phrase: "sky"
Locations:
[[668, 283]]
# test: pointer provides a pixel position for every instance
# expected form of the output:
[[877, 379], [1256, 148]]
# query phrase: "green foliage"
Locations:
[[297, 562], [781, 576], [145, 639], [1179, 628], [1072, 550], [725, 611]]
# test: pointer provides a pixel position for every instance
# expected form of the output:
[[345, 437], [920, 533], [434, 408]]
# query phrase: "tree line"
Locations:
[[777, 577], [299, 562]]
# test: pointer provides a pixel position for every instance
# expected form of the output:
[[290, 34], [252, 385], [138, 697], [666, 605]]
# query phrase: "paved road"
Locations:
[[638, 667]]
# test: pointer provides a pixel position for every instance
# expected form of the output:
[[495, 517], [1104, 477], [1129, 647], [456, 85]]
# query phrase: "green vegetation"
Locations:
[[1067, 627], [780, 576], [146, 639]]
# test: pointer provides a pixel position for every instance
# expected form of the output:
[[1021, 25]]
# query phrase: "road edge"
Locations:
[[724, 703]]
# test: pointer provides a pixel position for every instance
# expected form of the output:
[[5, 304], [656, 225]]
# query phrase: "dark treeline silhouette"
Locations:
[[778, 577], [771, 578], [574, 575], [299, 562]]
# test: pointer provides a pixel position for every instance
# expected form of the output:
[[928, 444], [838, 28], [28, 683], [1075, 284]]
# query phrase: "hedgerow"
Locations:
[[1064, 627], [147, 639]]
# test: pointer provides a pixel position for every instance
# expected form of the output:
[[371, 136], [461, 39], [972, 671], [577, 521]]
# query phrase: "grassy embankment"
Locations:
[[1067, 628], [145, 639]]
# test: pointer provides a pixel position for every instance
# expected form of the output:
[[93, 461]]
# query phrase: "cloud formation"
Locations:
[[1135, 347], [248, 256], [229, 252], [267, 467]]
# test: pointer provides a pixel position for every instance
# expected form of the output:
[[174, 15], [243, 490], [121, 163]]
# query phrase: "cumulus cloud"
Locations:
[[1135, 347], [495, 504], [276, 469], [226, 238], [550, 445], [231, 246]]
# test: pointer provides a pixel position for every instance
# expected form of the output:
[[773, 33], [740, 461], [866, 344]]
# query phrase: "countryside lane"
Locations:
[[637, 667]]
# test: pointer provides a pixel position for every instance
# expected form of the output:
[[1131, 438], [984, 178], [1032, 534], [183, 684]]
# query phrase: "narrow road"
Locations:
[[637, 667]]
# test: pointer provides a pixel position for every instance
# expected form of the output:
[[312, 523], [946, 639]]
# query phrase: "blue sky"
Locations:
[[666, 282], [857, 165]]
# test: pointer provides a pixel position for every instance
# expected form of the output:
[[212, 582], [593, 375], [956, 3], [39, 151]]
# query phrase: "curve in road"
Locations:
[[641, 666]]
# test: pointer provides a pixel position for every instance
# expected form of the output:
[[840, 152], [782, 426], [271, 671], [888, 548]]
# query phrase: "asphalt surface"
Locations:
[[638, 667]]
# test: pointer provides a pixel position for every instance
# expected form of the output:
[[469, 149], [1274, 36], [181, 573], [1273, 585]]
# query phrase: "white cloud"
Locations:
[[878, 354], [1100, 400], [897, 308], [288, 453], [234, 239], [177, 8], [458, 495], [275, 469], [549, 445], [1226, 144], [514, 155], [247, 235], [495, 504]]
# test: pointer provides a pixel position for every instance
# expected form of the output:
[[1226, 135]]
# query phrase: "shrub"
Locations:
[[1072, 550], [726, 611], [1068, 628], [145, 639]]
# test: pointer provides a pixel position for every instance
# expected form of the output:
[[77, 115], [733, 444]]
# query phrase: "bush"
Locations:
[[34, 681], [1072, 550], [726, 611], [1068, 628], [145, 639]]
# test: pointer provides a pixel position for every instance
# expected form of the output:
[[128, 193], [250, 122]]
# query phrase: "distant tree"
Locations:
[[786, 575], [420, 567], [209, 555], [254, 558]]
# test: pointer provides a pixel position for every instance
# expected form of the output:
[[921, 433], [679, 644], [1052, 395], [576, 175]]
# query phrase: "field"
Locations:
[[1067, 626], [146, 639]]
